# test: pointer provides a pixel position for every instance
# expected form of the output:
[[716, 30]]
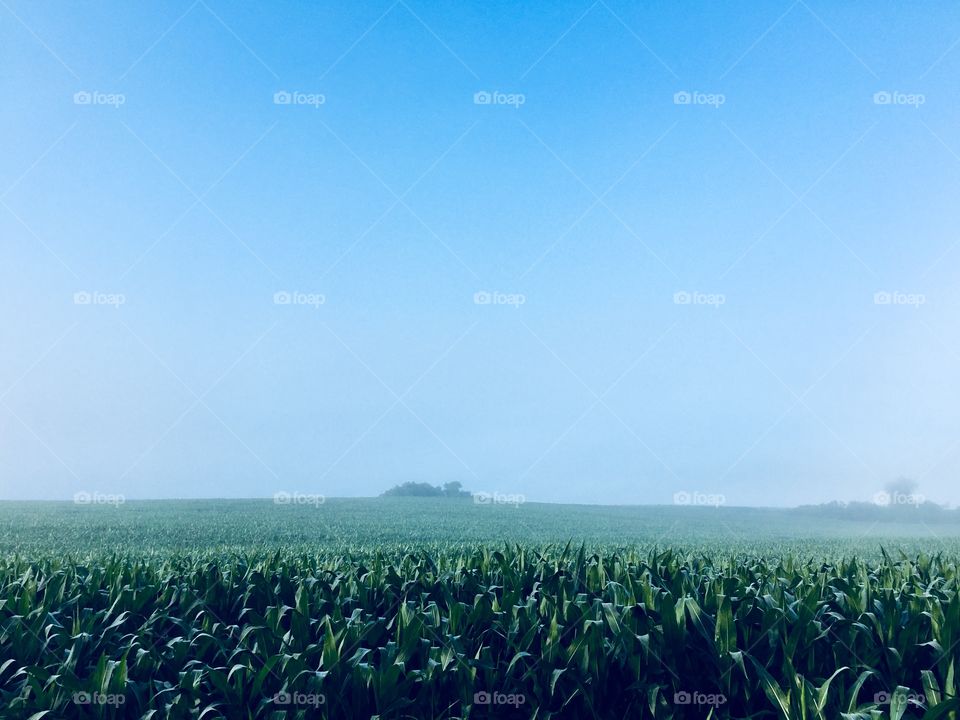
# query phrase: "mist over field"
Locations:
[[591, 254]]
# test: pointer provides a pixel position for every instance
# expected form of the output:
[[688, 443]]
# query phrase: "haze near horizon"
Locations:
[[582, 253]]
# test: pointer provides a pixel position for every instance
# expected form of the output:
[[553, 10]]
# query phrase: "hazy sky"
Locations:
[[680, 296]]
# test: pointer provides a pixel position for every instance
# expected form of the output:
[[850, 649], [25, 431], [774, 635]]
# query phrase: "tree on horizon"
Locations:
[[452, 489]]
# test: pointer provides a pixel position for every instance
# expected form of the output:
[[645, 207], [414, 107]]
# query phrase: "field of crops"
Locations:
[[410, 609]]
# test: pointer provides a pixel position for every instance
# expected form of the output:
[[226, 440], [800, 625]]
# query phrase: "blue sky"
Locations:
[[586, 290]]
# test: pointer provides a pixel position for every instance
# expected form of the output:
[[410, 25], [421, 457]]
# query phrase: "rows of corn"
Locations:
[[479, 633]]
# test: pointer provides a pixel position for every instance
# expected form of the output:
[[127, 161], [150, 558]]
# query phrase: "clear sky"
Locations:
[[577, 285]]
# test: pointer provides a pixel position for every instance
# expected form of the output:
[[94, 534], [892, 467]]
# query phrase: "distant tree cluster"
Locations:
[[899, 500], [452, 489]]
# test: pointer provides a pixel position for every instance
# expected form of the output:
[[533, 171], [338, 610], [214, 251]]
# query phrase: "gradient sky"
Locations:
[[597, 200]]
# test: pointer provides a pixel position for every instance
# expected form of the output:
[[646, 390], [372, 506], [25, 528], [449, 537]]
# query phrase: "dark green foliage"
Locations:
[[574, 633], [419, 489], [411, 608]]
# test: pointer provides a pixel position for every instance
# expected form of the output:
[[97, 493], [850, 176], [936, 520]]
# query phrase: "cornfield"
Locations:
[[508, 630]]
